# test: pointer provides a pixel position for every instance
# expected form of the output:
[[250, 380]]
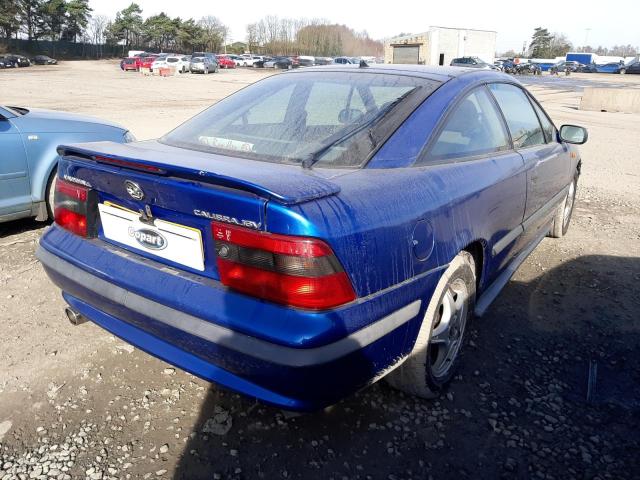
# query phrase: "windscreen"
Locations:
[[301, 118]]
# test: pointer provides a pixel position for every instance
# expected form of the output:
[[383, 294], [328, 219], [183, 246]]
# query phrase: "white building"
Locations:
[[440, 45]]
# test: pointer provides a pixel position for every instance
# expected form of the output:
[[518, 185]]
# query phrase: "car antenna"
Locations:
[[364, 64]]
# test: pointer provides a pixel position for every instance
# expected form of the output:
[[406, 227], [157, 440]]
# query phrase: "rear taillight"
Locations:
[[298, 271], [74, 208]]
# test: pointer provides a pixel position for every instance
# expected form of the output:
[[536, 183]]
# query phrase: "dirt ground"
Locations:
[[76, 402]]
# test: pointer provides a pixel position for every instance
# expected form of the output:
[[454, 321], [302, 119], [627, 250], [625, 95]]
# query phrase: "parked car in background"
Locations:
[[159, 62], [147, 62], [44, 60], [28, 142], [306, 60], [204, 65], [280, 62], [296, 247], [346, 60], [8, 62], [140, 57], [612, 67], [204, 54], [260, 63], [247, 60], [324, 60], [589, 68], [633, 67], [20, 60], [237, 59], [129, 64], [224, 61], [181, 63], [472, 62], [564, 66]]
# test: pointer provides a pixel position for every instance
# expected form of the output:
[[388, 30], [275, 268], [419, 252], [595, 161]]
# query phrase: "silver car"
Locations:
[[203, 65], [472, 62]]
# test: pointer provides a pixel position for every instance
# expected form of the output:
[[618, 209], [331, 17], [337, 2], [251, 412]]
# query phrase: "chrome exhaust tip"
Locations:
[[74, 317]]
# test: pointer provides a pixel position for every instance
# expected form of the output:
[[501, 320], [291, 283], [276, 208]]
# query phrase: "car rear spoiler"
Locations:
[[285, 184]]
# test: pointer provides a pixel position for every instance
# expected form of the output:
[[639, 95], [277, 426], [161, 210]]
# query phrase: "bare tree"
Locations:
[[214, 32], [286, 36], [96, 32]]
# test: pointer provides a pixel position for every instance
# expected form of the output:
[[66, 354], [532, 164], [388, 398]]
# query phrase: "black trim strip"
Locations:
[[544, 210], [492, 292], [505, 241], [245, 344]]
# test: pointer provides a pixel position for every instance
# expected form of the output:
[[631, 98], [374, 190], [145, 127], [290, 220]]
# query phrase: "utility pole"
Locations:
[[586, 36]]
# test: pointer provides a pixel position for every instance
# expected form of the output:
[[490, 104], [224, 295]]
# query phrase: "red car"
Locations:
[[146, 62], [129, 64], [225, 62], [139, 59]]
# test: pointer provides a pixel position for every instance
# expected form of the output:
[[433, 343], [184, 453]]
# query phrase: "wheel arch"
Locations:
[[478, 250], [41, 175]]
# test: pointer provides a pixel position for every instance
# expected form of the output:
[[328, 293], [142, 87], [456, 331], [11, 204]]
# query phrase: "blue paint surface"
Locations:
[[393, 226]]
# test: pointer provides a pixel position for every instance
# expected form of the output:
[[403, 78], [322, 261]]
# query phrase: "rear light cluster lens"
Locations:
[[74, 207], [297, 271]]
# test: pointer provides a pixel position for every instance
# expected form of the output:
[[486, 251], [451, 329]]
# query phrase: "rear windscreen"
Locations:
[[316, 117]]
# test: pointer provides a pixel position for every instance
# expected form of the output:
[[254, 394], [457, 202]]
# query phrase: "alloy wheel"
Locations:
[[448, 328]]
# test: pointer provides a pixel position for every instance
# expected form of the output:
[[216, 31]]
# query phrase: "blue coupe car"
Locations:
[[317, 230], [28, 156]]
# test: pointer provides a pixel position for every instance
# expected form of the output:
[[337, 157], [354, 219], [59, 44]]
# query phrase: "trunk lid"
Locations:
[[286, 184], [150, 205]]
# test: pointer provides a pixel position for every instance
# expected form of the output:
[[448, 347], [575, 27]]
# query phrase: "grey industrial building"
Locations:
[[439, 45]]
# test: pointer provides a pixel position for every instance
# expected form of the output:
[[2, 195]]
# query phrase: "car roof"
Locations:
[[441, 74]]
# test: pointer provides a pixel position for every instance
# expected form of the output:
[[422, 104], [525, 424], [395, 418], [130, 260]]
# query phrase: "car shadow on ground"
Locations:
[[518, 408], [17, 227]]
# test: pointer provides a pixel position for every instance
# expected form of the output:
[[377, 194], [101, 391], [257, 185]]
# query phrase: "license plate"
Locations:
[[168, 240]]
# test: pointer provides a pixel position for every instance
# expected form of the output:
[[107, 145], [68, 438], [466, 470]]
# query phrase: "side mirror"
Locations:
[[573, 134]]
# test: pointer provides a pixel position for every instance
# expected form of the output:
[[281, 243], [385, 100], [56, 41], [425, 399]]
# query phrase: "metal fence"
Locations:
[[60, 49]]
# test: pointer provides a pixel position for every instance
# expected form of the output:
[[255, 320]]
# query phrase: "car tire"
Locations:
[[562, 218], [436, 353], [50, 193], [623, 71]]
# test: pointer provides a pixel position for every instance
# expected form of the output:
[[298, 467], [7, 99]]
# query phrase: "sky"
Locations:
[[615, 22]]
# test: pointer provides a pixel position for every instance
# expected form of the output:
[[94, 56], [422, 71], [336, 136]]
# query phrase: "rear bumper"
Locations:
[[289, 375]]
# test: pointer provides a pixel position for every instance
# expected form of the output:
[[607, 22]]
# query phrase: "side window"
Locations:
[[473, 128], [521, 119], [547, 125]]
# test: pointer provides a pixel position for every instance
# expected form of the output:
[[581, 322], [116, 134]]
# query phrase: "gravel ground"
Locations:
[[75, 402]]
